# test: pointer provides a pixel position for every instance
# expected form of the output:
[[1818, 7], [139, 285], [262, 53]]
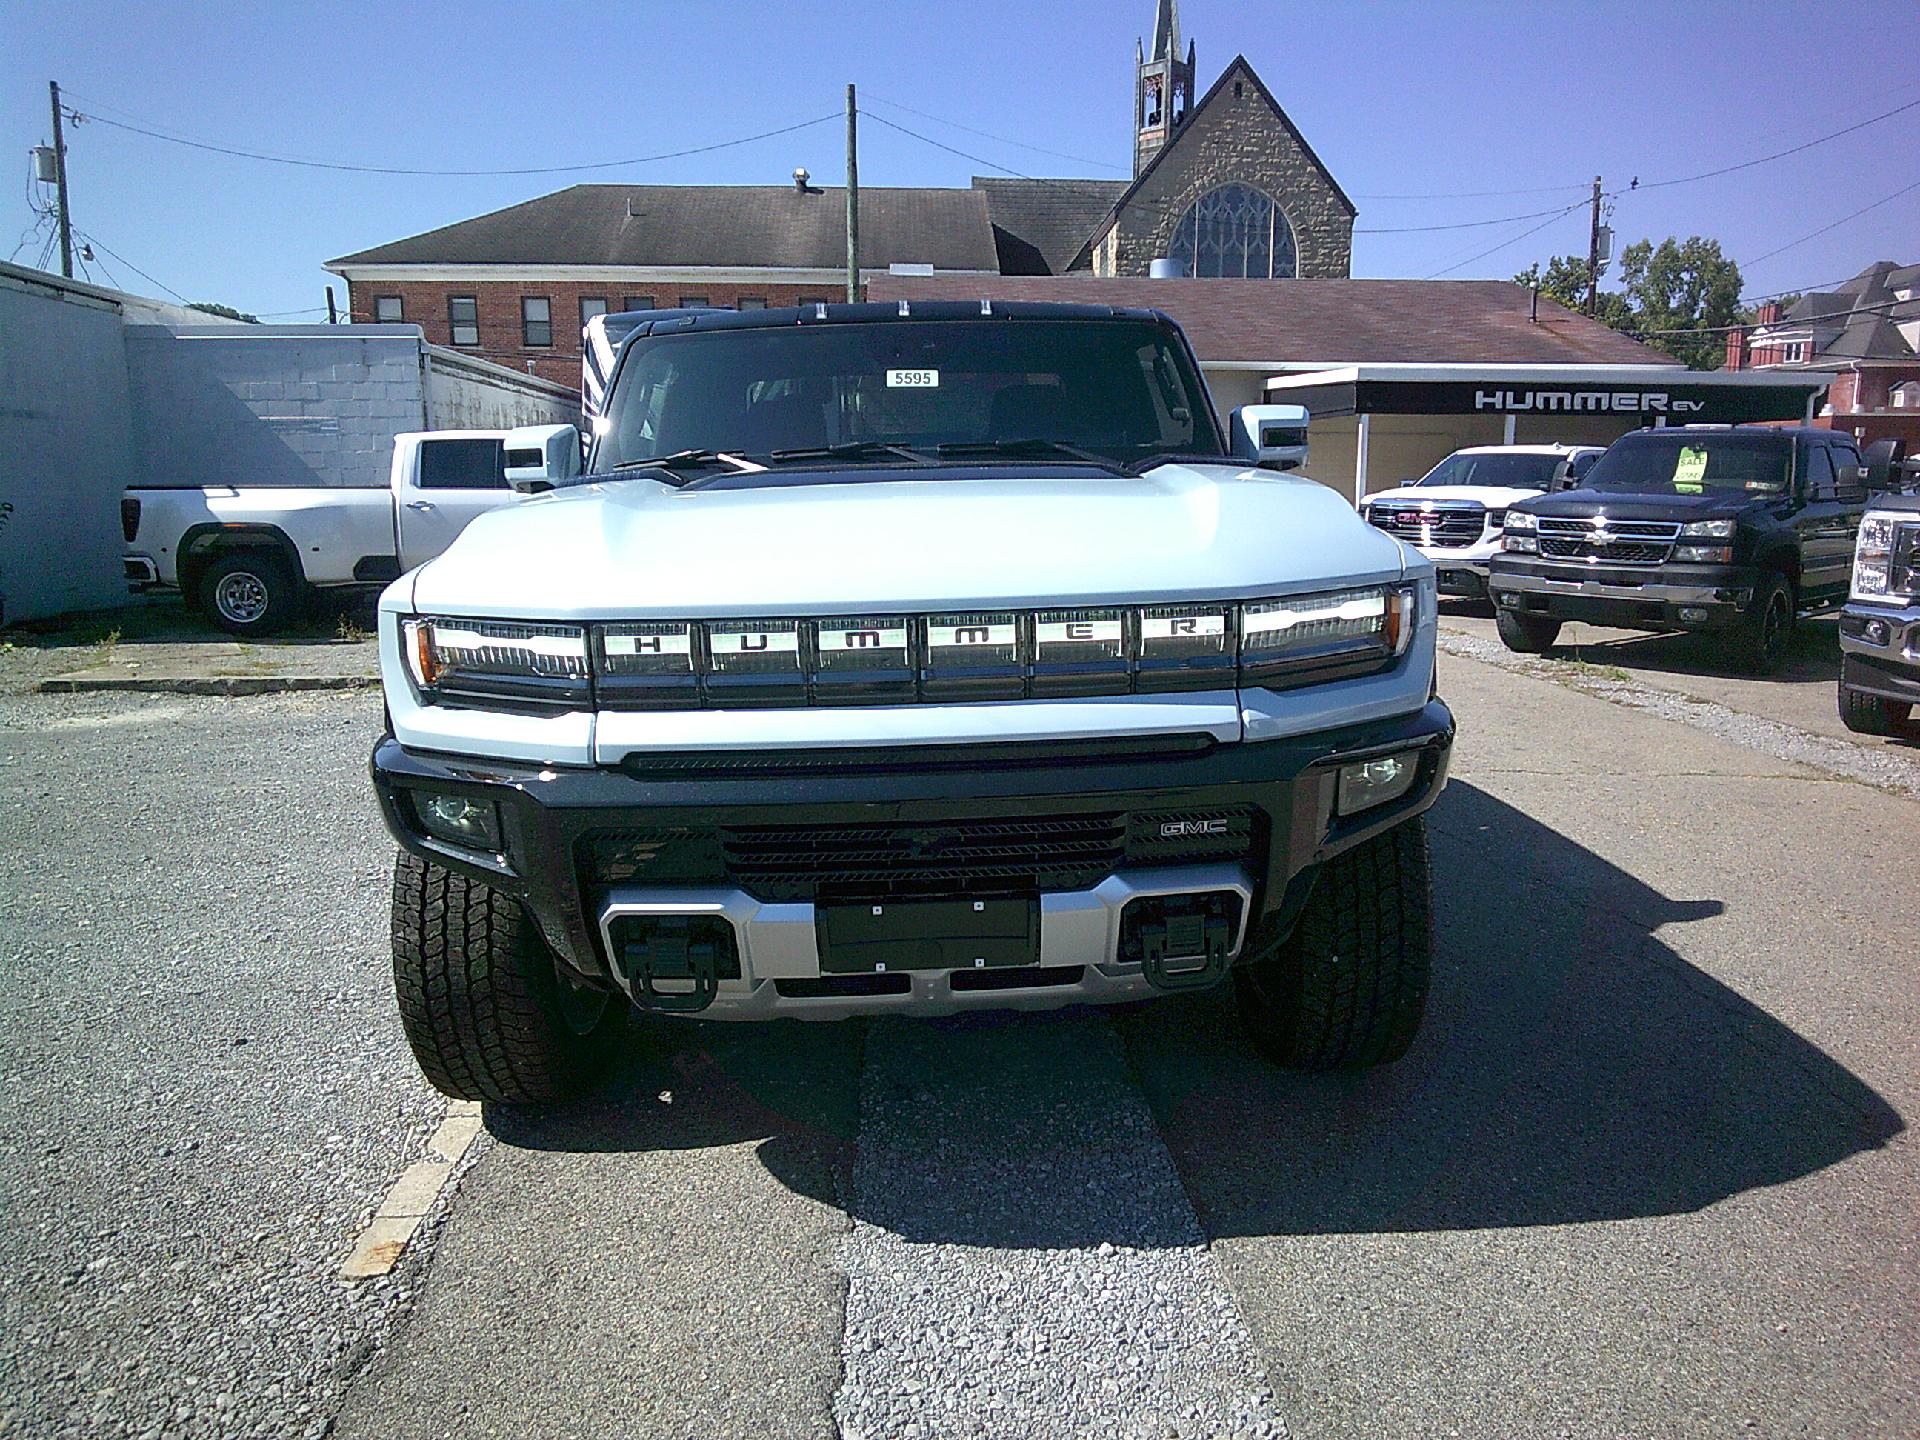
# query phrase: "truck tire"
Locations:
[[1346, 989], [250, 592], [486, 1013], [1760, 636], [1528, 634], [1866, 714]]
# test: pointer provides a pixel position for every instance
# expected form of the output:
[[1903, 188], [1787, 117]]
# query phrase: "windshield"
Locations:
[[1693, 464], [1518, 472], [1122, 390]]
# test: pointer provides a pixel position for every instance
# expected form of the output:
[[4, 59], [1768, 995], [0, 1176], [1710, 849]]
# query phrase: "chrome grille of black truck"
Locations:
[[1613, 542]]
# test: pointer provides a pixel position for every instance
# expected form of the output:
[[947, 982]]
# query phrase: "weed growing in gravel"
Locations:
[[348, 629]]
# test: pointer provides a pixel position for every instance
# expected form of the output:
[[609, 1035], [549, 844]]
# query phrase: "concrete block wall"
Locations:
[[286, 405], [66, 450]]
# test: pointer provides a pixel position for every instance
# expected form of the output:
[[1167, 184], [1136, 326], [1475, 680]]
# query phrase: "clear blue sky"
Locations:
[[1398, 98]]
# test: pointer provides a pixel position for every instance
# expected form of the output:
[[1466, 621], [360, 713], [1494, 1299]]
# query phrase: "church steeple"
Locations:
[[1163, 86]]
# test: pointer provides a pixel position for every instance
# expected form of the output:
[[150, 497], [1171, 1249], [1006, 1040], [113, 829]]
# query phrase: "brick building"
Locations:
[[1866, 334], [1223, 184]]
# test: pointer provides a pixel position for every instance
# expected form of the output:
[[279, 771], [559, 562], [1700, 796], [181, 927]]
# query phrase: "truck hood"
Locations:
[[1001, 536], [1629, 505], [1493, 496]]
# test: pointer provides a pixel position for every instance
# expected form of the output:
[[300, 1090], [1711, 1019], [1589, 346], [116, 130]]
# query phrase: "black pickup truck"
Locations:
[[1731, 529]]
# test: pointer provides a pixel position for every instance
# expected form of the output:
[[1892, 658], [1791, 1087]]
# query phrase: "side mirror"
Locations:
[[541, 456], [1882, 463], [1273, 437]]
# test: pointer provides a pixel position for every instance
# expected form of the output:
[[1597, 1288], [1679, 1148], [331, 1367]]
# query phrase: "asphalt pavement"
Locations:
[[1647, 1170]]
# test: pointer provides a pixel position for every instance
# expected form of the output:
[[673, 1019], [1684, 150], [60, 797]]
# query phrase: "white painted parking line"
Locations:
[[381, 1244], [1024, 1260]]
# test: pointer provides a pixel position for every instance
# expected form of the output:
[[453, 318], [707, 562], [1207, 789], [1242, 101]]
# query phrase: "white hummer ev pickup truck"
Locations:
[[906, 659]]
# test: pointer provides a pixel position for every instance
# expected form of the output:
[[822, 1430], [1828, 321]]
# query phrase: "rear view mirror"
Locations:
[[1273, 437], [1882, 463], [541, 456]]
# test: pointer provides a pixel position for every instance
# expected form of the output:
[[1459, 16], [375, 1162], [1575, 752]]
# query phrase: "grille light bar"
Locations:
[[899, 659]]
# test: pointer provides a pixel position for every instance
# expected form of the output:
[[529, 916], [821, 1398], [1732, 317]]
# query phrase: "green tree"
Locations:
[[1676, 286], [212, 307]]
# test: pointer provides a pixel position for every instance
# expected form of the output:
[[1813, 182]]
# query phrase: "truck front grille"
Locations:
[[935, 858], [1611, 542], [984, 855], [1450, 526]]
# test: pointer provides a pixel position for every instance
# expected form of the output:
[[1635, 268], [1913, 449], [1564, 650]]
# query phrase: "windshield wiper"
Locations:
[[851, 450], [1034, 446], [687, 460]]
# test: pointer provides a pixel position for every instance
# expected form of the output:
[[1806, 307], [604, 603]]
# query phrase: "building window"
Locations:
[[590, 308], [1906, 396], [536, 320], [463, 319], [387, 310], [637, 302], [692, 302], [752, 302], [1235, 231]]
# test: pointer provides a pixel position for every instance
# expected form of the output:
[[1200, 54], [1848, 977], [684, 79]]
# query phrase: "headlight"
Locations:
[[1886, 559], [1520, 520], [1703, 554], [1519, 544], [1709, 529], [1318, 637], [503, 662]]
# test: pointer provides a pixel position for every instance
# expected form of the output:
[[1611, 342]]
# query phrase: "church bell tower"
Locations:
[[1162, 88]]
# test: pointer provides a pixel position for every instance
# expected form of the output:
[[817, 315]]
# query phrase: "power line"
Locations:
[[1834, 225], [1475, 224], [1478, 194], [1826, 317], [1778, 154], [96, 240], [989, 135], [96, 119], [1515, 240]]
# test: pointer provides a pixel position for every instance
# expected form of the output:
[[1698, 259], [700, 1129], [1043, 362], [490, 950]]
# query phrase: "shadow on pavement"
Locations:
[[1573, 1068], [1812, 656]]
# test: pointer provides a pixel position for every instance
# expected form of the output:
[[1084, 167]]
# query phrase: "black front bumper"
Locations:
[[1626, 597], [553, 820]]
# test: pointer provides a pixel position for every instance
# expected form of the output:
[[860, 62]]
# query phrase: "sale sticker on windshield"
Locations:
[[1690, 471]]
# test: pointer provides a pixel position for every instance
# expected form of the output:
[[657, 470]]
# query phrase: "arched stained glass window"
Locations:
[[1235, 231]]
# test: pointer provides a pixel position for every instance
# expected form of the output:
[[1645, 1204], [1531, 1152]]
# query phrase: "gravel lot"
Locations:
[[1647, 1171], [203, 1086]]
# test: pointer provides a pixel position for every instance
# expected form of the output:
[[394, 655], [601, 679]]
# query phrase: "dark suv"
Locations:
[[1733, 529]]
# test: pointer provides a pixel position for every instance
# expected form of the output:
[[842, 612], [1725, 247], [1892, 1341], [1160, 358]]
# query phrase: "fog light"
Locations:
[[1693, 614], [1367, 783], [459, 820], [1877, 632], [1507, 599]]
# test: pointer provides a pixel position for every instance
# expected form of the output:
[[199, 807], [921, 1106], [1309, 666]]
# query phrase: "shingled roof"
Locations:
[[1859, 321], [779, 226], [1326, 322], [1040, 227]]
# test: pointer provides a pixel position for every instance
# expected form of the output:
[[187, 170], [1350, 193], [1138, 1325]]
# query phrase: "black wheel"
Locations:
[[1760, 640], [1866, 714], [1528, 634], [485, 1011], [1348, 987], [250, 592]]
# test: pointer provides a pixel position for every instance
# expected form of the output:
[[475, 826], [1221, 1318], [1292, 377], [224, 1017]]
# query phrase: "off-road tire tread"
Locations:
[[1352, 976], [475, 983], [1526, 634]]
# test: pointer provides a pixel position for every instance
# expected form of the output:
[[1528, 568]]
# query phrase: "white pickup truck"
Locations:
[[248, 556]]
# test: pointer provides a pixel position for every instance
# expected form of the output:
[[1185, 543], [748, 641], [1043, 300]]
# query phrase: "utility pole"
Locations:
[[1593, 254], [853, 201], [60, 171]]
